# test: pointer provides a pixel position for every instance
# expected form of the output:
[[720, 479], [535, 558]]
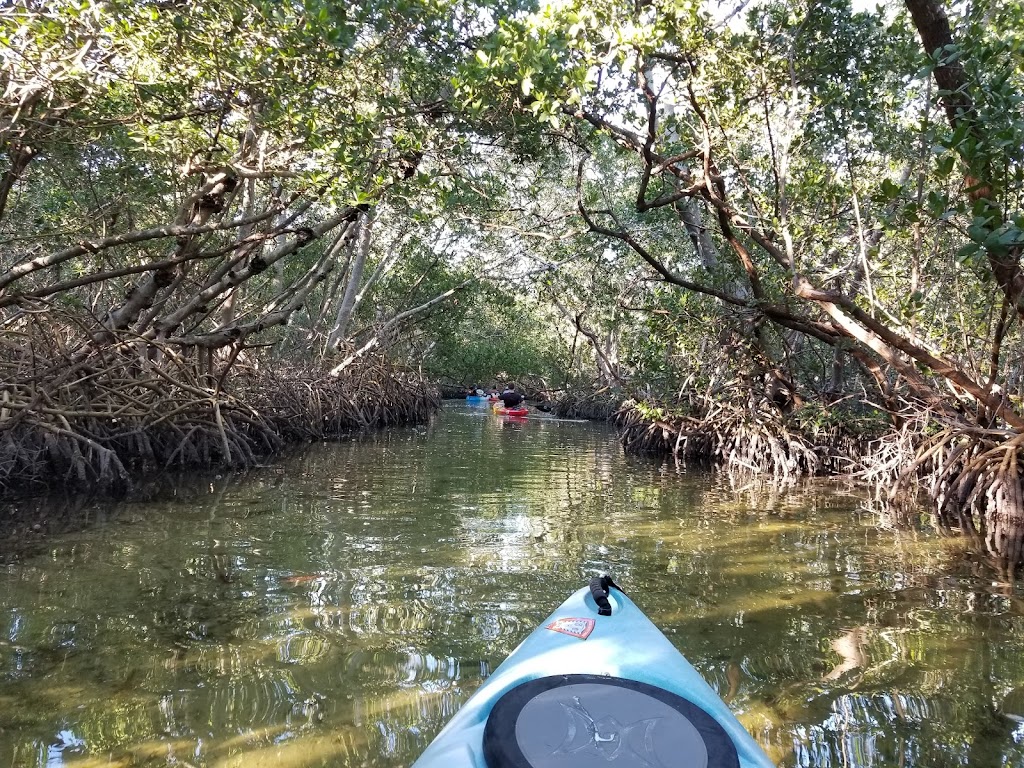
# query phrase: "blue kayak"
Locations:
[[597, 684]]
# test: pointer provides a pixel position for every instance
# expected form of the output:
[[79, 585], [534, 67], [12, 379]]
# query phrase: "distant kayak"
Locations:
[[596, 684], [501, 410]]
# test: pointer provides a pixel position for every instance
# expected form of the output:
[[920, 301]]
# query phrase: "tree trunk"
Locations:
[[937, 39], [355, 277], [392, 324], [20, 157]]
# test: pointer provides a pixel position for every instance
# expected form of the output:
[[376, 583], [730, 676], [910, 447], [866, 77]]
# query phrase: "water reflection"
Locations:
[[338, 608]]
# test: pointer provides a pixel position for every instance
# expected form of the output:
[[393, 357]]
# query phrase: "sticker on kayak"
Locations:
[[580, 628]]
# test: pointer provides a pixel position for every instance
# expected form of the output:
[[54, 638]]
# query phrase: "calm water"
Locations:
[[336, 609]]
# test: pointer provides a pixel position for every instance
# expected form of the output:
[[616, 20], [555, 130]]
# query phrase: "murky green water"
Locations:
[[336, 609]]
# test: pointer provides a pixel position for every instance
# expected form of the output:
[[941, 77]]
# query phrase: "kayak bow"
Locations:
[[596, 684]]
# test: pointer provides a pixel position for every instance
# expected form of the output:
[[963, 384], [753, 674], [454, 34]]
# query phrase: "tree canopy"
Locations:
[[818, 202]]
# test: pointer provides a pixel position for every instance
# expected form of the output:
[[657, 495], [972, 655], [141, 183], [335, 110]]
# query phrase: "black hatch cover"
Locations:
[[586, 721]]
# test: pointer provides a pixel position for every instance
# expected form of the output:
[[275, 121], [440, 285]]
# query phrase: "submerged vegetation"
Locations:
[[788, 235]]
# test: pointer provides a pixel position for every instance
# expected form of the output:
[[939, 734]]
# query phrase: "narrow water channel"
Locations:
[[336, 608]]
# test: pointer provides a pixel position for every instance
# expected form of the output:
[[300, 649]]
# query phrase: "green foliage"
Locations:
[[817, 119], [122, 110], [469, 121], [498, 340], [821, 419]]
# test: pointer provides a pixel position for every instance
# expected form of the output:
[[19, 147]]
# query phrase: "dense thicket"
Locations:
[[825, 209], [192, 192], [792, 223]]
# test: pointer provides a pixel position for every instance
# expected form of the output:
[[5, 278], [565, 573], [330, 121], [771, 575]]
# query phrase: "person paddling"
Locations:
[[509, 397]]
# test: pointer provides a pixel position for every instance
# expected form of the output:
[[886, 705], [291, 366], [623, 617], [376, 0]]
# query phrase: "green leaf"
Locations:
[[967, 252], [889, 189]]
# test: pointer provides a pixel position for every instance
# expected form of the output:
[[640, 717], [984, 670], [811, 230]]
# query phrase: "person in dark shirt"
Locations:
[[510, 398]]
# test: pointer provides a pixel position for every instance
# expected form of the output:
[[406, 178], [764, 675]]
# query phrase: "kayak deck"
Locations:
[[583, 648]]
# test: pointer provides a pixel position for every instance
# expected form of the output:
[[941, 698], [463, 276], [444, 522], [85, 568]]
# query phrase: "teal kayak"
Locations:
[[596, 684]]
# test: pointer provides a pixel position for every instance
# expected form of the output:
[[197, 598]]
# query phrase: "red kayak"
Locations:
[[521, 410]]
